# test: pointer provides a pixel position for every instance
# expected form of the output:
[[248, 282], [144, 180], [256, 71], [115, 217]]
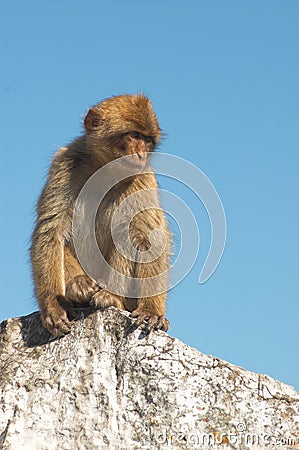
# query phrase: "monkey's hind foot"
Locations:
[[103, 299], [81, 289], [153, 321]]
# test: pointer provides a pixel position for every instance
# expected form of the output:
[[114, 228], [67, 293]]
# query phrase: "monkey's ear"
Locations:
[[92, 120]]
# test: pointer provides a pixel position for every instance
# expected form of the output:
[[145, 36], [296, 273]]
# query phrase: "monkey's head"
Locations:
[[123, 125]]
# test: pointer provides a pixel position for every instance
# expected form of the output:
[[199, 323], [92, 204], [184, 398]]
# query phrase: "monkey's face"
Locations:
[[134, 144], [122, 126]]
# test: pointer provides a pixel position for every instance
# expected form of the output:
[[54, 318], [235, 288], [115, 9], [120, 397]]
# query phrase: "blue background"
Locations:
[[223, 78]]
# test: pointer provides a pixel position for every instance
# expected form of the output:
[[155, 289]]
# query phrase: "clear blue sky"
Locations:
[[223, 77]]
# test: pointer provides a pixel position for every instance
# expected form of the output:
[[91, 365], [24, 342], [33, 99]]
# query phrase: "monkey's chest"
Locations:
[[128, 218]]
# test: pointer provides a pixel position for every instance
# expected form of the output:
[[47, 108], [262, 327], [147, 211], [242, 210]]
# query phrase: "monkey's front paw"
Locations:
[[103, 299], [55, 319], [154, 321], [81, 288]]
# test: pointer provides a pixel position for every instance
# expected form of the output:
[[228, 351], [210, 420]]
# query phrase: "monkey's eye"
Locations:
[[149, 139], [136, 135], [140, 136]]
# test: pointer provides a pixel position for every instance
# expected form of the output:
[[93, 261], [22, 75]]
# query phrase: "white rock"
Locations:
[[107, 386]]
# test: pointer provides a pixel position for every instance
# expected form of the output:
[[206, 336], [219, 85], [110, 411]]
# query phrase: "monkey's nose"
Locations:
[[139, 158]]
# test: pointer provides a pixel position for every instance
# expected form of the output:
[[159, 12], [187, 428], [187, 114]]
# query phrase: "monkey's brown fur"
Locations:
[[115, 127]]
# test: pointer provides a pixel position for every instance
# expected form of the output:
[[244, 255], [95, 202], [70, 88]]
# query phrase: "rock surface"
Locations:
[[108, 386]]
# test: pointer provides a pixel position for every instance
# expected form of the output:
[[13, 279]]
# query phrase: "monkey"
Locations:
[[115, 127]]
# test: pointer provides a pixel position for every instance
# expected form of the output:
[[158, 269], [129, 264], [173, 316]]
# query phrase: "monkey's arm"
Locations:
[[52, 228]]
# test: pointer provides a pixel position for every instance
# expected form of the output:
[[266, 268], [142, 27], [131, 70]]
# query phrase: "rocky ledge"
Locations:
[[107, 385]]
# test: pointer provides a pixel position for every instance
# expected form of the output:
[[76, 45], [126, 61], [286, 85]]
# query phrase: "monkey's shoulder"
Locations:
[[73, 154]]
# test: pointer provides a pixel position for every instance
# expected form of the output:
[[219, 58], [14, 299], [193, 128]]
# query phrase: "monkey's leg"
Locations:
[[151, 308]]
